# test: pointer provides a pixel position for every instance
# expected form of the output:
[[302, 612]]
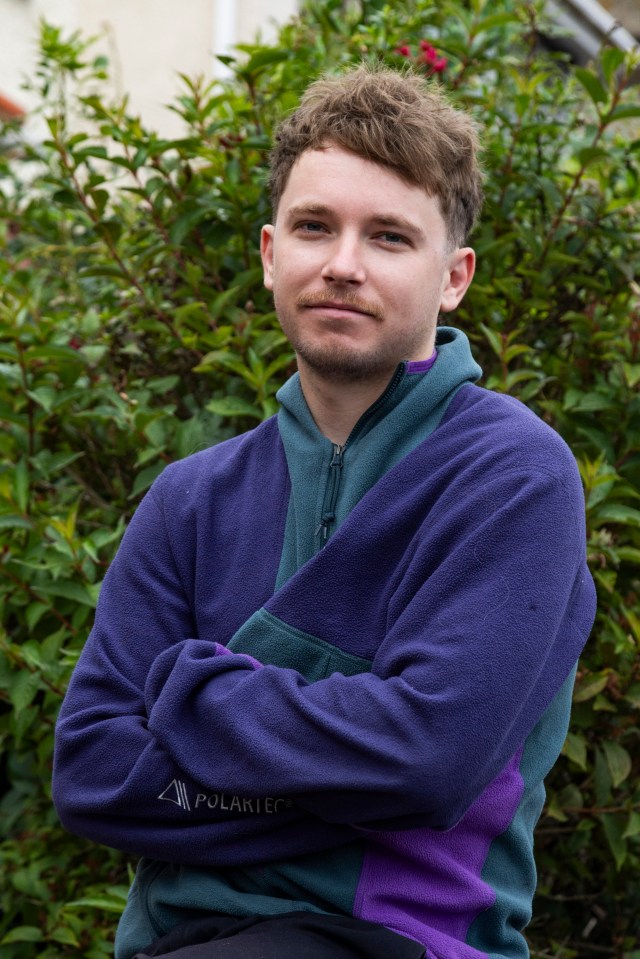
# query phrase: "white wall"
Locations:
[[148, 42]]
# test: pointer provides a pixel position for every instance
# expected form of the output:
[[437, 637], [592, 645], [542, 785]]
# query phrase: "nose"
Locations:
[[345, 262]]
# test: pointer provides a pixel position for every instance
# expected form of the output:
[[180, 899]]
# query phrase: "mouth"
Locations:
[[339, 309]]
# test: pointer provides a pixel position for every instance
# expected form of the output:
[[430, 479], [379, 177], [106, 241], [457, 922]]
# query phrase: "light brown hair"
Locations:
[[396, 119]]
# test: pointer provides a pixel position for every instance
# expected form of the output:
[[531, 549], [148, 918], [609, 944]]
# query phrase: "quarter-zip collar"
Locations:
[[328, 480]]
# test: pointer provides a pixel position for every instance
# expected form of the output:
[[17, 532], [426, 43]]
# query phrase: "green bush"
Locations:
[[134, 329]]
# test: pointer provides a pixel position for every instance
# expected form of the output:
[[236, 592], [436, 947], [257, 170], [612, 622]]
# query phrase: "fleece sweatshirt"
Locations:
[[335, 679]]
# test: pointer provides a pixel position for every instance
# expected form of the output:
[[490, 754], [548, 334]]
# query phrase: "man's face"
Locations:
[[359, 265]]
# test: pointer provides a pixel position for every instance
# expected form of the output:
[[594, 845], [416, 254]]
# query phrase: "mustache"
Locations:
[[348, 298]]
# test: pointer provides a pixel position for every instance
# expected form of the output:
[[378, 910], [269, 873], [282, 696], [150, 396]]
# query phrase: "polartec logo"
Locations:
[[176, 793]]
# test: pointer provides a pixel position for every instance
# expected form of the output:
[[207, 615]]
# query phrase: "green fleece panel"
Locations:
[[327, 880], [410, 411], [274, 643], [168, 893], [501, 870]]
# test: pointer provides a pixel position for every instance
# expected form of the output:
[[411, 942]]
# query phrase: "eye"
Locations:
[[393, 239], [310, 226]]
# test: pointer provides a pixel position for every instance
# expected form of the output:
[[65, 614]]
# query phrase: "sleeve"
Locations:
[[485, 622], [114, 781]]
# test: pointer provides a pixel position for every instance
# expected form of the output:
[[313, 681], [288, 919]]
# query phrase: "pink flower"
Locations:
[[430, 58], [429, 53], [403, 51]]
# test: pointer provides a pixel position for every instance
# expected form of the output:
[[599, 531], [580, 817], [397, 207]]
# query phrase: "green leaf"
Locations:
[[65, 936], [618, 761], [23, 689], [618, 513], [22, 934], [613, 830], [233, 406], [590, 686], [145, 478], [44, 396], [185, 223], [633, 826], [602, 778], [575, 748], [588, 155], [592, 85], [266, 57], [555, 811], [21, 485], [611, 59], [12, 521], [496, 20], [625, 111], [105, 903], [67, 589]]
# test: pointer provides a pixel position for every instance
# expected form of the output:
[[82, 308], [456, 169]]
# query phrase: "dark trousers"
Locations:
[[293, 935]]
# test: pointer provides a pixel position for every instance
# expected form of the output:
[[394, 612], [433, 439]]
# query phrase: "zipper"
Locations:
[[337, 459], [331, 492]]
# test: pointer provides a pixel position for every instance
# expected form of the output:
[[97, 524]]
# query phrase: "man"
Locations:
[[332, 661]]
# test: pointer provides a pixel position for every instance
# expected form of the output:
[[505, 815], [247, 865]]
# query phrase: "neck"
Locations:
[[337, 407]]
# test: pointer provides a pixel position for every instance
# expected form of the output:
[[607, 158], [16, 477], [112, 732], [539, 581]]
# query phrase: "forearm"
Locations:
[[114, 783], [472, 649]]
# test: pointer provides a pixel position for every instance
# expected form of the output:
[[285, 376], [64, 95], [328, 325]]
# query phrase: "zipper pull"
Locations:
[[329, 509]]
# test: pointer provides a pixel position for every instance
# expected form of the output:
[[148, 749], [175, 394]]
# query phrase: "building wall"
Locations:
[[148, 42]]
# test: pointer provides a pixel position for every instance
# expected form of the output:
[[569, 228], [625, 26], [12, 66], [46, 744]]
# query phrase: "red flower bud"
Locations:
[[403, 51], [429, 53], [440, 65]]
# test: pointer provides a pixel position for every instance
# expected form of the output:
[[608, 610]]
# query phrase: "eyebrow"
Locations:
[[390, 220]]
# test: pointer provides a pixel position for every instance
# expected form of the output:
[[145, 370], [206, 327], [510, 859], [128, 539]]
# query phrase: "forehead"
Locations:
[[334, 178]]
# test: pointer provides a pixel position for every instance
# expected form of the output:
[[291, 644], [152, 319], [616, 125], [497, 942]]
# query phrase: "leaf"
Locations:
[[66, 589], [23, 689], [185, 223], [495, 20], [611, 59], [12, 521], [591, 84], [618, 761], [44, 396], [625, 111], [618, 513], [22, 934], [21, 485], [494, 339], [575, 748], [555, 811], [602, 779], [106, 903], [613, 830], [65, 936], [145, 478], [266, 57], [589, 154], [591, 686], [233, 406], [633, 826]]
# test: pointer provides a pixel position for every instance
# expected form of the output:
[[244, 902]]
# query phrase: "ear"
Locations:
[[460, 270], [266, 252]]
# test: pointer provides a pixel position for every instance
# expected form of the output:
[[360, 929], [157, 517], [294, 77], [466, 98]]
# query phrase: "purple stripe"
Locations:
[[427, 884], [421, 366]]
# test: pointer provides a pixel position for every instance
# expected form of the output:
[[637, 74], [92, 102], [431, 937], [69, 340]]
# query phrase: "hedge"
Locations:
[[134, 329]]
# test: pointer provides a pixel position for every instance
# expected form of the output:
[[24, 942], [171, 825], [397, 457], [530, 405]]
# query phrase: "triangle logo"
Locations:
[[176, 792]]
